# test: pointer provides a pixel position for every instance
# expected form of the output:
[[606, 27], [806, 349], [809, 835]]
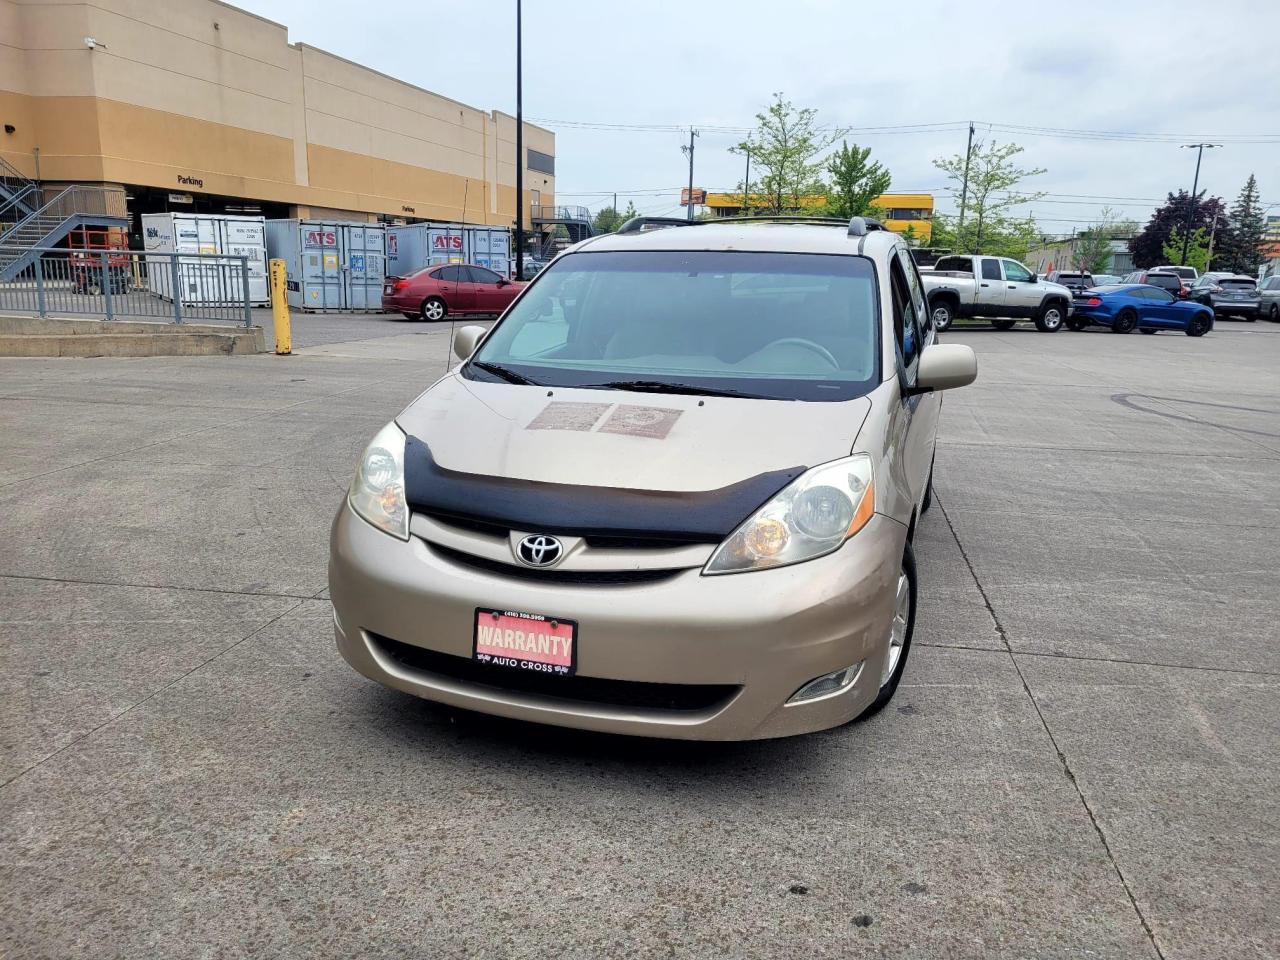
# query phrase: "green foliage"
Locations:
[[608, 220], [855, 182], [1001, 238], [1241, 245], [992, 194], [1092, 248], [784, 149], [1197, 250]]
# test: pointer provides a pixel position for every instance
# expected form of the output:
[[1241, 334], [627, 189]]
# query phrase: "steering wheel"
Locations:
[[817, 348]]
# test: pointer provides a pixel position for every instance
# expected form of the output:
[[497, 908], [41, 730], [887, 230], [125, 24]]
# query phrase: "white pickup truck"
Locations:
[[994, 287]]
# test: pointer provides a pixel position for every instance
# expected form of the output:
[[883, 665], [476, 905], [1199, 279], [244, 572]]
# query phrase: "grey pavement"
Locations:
[[1081, 761]]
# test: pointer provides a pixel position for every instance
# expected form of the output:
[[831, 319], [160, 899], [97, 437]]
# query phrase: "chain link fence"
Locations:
[[123, 284]]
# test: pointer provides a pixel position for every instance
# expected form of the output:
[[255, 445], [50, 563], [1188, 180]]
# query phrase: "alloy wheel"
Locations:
[[898, 629]]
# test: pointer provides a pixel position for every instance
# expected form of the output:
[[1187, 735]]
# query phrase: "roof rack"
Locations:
[[857, 226]]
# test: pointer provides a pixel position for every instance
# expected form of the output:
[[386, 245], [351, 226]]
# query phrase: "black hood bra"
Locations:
[[701, 516]]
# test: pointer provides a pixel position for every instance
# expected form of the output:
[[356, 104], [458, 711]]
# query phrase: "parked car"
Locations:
[[1163, 279], [531, 268], [1269, 298], [1189, 274], [670, 493], [1074, 282], [1105, 279], [434, 292], [1127, 307], [1229, 294], [995, 287]]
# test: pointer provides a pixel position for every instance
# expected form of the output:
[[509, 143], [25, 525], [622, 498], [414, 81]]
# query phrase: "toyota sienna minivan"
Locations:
[[671, 492]]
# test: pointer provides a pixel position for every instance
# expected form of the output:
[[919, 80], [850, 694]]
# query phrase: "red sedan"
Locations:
[[432, 293]]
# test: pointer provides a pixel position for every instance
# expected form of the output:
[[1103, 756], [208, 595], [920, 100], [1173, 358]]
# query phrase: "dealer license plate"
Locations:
[[526, 641]]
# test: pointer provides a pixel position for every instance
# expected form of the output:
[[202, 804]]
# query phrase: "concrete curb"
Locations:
[[55, 337]]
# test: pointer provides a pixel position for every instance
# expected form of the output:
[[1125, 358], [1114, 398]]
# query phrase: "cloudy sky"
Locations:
[[1103, 93]]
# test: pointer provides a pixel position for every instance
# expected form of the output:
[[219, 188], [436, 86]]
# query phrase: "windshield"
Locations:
[[783, 326]]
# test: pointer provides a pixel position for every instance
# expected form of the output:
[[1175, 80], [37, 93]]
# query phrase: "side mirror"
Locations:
[[944, 366], [1034, 278], [503, 281], [465, 340]]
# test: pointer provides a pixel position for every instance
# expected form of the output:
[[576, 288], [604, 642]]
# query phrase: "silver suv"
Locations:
[[672, 492]]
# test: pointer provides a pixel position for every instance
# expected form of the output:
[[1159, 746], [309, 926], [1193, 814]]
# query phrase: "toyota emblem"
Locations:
[[539, 550]]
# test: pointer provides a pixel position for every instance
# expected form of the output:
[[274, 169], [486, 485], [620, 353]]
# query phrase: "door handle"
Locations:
[[1013, 286], [985, 284]]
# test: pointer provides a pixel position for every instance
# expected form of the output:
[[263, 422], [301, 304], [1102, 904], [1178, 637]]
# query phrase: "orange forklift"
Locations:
[[93, 248]]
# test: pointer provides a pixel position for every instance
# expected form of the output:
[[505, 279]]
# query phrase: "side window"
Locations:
[[481, 275], [451, 275], [916, 288], [990, 269], [1163, 296], [906, 323], [1016, 272]]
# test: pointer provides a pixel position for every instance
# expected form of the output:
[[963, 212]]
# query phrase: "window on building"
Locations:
[[542, 162]]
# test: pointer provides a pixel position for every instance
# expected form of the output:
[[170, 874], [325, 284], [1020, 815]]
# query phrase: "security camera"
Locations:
[[93, 44]]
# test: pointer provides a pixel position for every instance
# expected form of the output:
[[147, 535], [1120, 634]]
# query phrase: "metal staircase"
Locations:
[[547, 219], [19, 196], [46, 224]]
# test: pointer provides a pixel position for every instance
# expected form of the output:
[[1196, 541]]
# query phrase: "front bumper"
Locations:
[[765, 633]]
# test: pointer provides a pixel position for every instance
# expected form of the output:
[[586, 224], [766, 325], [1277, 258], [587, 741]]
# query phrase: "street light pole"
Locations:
[[519, 149], [964, 189], [1195, 186]]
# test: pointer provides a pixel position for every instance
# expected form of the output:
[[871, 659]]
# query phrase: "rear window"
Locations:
[[1237, 285], [957, 264], [783, 326], [1166, 281]]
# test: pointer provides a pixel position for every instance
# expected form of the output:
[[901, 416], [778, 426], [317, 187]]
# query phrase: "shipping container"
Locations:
[[419, 245], [202, 280], [331, 265]]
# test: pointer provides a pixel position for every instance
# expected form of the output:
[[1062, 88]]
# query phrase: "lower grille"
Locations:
[[681, 697], [511, 571]]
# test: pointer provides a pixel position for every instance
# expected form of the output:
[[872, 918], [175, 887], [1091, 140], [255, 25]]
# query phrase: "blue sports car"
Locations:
[[1124, 306]]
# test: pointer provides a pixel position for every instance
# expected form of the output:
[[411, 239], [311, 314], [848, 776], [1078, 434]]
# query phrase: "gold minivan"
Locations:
[[670, 493]]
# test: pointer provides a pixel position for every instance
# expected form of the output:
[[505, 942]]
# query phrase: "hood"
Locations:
[[613, 438]]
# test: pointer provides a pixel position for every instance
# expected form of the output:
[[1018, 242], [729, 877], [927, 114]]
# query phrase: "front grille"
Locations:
[[682, 697], [637, 543], [482, 527], [511, 571]]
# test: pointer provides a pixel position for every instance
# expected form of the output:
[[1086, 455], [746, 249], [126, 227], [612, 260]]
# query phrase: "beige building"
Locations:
[[197, 105]]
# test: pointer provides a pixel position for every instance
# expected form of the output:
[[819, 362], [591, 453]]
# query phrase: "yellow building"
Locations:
[[901, 210], [196, 105]]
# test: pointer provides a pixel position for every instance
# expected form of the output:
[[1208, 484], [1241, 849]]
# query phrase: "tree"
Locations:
[[1147, 246], [1008, 238], [1091, 251], [1197, 249], [1241, 246], [854, 182], [607, 220], [785, 148], [991, 194]]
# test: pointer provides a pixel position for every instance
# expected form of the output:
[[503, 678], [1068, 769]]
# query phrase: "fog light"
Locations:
[[827, 685]]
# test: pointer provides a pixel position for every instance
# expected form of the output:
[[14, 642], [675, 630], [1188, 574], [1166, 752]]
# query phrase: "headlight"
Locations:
[[377, 492], [813, 516]]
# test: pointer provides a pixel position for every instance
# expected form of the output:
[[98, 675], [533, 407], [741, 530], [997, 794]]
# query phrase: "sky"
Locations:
[[1103, 94]]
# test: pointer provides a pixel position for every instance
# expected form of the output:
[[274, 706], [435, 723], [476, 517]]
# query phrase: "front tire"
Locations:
[[1051, 317], [943, 316], [1199, 326], [433, 308], [1274, 314], [1124, 322], [900, 631], [1003, 323]]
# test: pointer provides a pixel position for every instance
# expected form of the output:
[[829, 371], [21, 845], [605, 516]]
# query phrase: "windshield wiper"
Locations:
[[658, 386], [503, 373]]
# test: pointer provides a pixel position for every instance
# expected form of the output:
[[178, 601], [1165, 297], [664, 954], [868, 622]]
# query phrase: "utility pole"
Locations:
[[689, 150], [519, 149], [615, 203], [746, 187], [964, 189], [1195, 185]]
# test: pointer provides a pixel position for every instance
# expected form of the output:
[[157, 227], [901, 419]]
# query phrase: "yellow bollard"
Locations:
[[280, 308]]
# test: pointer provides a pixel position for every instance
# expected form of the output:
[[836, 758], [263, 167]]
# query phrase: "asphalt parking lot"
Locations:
[[1081, 762]]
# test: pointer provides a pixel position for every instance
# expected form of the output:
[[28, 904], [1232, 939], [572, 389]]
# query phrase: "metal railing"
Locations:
[[560, 212], [124, 284]]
